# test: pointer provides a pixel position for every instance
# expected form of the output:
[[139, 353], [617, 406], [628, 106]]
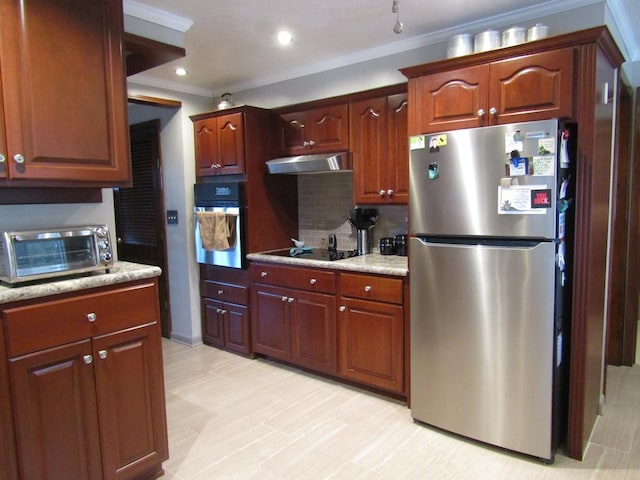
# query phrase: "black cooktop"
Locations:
[[314, 254]]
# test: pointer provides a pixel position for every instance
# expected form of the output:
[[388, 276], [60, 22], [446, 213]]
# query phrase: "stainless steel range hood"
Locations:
[[318, 163]]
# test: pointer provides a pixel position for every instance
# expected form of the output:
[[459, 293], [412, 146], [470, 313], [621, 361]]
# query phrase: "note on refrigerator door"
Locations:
[[524, 200]]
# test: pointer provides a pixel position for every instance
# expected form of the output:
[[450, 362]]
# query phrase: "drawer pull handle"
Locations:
[[367, 288], [220, 292], [313, 281], [91, 317], [88, 359], [342, 308], [263, 274], [102, 354]]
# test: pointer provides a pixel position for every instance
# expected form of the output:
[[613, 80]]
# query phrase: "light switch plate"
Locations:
[[172, 217]]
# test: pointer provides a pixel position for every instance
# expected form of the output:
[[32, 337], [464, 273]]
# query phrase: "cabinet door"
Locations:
[[371, 343], [328, 129], [230, 144], [398, 149], [454, 99], [130, 388], [293, 133], [270, 325], [532, 87], [237, 335], [368, 137], [64, 94], [206, 146], [56, 414], [212, 322], [313, 331]]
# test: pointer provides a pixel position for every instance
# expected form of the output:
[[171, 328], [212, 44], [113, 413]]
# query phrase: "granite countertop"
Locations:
[[120, 272], [370, 263]]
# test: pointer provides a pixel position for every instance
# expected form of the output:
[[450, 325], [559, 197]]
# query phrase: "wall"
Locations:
[[324, 202], [178, 160]]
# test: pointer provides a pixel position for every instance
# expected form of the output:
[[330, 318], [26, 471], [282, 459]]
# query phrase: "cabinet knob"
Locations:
[[102, 354], [493, 111], [382, 192], [305, 143], [284, 299], [2, 158], [313, 281], [18, 158], [390, 192], [263, 274], [88, 359], [218, 310], [290, 299], [367, 288], [222, 312], [220, 292], [481, 112], [91, 317], [311, 143], [342, 308]]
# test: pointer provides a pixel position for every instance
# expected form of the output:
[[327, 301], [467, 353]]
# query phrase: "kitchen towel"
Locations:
[[217, 230]]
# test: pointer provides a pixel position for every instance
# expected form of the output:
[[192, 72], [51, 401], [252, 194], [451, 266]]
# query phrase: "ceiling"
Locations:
[[231, 44]]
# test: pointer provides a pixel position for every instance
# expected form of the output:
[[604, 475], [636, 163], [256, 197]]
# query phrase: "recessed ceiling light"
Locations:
[[284, 37], [181, 72]]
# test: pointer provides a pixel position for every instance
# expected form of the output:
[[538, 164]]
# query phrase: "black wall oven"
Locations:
[[219, 224]]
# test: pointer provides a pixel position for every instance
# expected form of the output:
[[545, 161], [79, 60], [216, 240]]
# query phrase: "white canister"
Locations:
[[459, 45], [487, 40], [537, 32], [513, 36]]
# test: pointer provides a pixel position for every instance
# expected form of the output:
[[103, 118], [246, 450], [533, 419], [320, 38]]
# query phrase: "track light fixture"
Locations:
[[395, 8]]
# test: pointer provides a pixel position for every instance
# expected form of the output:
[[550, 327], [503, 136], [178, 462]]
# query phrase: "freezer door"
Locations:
[[482, 340], [459, 179]]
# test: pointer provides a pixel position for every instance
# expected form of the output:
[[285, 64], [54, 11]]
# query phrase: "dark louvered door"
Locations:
[[139, 211]]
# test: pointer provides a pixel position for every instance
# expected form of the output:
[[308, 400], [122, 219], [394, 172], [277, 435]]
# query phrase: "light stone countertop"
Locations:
[[121, 272], [370, 263]]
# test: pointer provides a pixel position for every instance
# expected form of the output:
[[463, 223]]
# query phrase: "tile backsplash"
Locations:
[[324, 203]]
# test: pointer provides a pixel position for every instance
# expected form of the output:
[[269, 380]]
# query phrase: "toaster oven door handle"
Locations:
[[43, 236]]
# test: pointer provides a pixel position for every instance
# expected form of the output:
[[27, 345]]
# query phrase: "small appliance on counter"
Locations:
[[364, 219], [42, 254], [387, 246]]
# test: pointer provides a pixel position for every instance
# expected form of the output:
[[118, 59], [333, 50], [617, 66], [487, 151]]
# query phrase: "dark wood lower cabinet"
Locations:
[[88, 396], [359, 338], [296, 326], [226, 325], [371, 343]]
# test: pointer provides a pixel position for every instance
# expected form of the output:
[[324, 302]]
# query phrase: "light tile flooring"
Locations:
[[235, 418]]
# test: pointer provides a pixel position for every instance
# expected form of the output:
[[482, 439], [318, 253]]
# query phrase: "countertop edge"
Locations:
[[371, 263], [121, 272]]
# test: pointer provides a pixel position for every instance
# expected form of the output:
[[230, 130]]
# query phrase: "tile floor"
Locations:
[[234, 418]]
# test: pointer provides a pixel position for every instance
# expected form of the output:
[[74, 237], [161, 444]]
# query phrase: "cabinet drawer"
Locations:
[[383, 289], [316, 280], [226, 292], [56, 322]]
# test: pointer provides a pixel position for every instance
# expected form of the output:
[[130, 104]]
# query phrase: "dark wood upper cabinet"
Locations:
[[219, 144], [529, 87], [63, 93], [379, 145], [318, 130]]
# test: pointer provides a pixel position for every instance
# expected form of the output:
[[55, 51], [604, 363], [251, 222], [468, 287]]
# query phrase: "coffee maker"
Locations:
[[364, 219]]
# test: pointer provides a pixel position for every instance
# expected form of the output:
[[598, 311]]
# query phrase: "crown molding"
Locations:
[[155, 15]]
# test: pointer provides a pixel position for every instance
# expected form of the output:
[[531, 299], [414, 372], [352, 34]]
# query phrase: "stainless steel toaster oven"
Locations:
[[38, 254]]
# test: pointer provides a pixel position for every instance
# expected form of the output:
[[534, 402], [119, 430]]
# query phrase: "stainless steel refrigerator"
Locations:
[[490, 214]]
